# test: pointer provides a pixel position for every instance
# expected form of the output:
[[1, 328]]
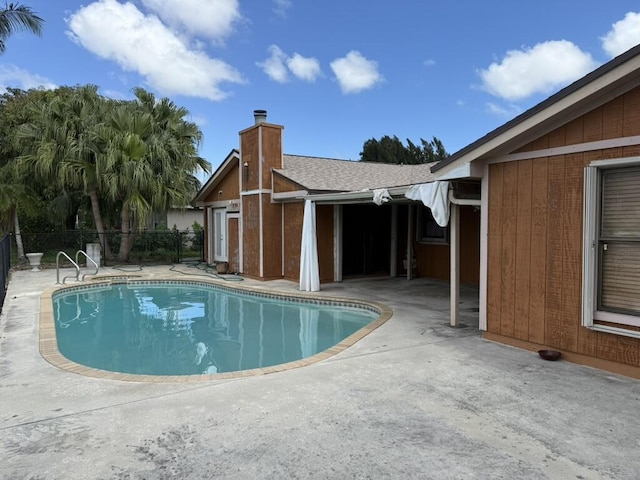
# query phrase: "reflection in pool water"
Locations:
[[179, 329]]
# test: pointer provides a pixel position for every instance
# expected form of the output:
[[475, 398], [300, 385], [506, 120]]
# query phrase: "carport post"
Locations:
[[455, 264], [409, 242]]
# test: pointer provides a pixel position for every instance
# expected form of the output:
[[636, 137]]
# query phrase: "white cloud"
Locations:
[[540, 69], [355, 73], [15, 77], [304, 68], [430, 62], [142, 44], [623, 35], [212, 19], [508, 111], [280, 7], [275, 66], [279, 64]]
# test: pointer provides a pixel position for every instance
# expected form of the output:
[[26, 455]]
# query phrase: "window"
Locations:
[[428, 231], [611, 270]]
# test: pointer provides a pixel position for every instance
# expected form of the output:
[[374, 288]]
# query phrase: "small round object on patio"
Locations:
[[551, 355]]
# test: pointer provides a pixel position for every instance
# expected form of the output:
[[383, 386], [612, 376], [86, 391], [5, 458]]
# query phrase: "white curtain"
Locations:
[[309, 272], [434, 196]]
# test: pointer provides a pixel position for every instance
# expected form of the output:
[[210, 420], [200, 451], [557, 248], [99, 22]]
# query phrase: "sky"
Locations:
[[334, 73]]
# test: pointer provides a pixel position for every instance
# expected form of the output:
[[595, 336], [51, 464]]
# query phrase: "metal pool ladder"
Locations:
[[76, 265]]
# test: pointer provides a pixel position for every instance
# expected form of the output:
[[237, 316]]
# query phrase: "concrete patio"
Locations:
[[414, 399]]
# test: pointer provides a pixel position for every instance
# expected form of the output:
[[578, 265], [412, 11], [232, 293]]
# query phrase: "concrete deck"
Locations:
[[413, 399]]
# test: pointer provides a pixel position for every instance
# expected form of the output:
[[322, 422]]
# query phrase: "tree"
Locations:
[[392, 150], [132, 156], [18, 193], [15, 17]]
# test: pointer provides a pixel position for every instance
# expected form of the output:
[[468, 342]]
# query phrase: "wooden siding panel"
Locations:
[[271, 238], [538, 275], [250, 156], [508, 251], [293, 215], [324, 228], [281, 184], [572, 251], [251, 235], [469, 245], [593, 125], [523, 251], [612, 119], [574, 131], [628, 351], [233, 244], [553, 293], [631, 113], [494, 248], [557, 137]]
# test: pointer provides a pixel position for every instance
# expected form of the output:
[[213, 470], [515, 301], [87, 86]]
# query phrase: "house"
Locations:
[[254, 212], [560, 221]]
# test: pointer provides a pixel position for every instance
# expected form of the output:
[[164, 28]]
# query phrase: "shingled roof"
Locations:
[[317, 174]]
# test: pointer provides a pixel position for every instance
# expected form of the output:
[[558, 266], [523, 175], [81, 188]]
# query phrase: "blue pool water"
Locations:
[[184, 329]]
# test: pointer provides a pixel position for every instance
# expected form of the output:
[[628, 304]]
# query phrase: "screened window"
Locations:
[[611, 252], [428, 230], [619, 241]]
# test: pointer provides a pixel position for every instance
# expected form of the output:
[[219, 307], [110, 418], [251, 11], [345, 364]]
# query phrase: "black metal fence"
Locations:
[[147, 247], [5, 266]]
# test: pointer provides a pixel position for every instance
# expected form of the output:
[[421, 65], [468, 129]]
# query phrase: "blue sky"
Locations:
[[335, 73]]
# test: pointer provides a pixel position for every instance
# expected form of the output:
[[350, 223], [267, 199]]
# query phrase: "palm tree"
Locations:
[[59, 145], [150, 160], [15, 17]]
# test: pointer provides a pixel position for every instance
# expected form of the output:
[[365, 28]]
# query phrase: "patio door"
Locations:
[[220, 235]]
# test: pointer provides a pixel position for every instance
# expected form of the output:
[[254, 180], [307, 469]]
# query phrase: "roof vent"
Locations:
[[260, 116]]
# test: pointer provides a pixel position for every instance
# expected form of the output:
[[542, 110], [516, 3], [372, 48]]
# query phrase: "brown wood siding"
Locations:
[[234, 245], [228, 185], [249, 155], [324, 230], [433, 259], [534, 277], [293, 215], [281, 184], [272, 238], [251, 235], [271, 152]]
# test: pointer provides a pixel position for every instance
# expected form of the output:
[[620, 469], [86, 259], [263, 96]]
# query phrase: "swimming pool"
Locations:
[[178, 328]]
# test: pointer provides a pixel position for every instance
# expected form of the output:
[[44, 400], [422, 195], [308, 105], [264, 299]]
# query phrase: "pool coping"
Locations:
[[48, 342]]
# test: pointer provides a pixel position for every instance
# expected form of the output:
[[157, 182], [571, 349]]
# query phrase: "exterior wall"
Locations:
[[324, 231], [433, 259], [234, 244], [272, 238], [261, 150], [293, 214], [184, 219], [535, 240], [281, 184], [251, 235]]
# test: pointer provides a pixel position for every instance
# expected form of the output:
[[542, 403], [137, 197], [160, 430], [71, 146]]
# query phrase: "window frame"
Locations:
[[591, 260], [423, 213]]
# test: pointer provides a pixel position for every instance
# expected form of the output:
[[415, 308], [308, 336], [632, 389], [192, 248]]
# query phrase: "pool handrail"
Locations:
[[58, 267], [89, 259]]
